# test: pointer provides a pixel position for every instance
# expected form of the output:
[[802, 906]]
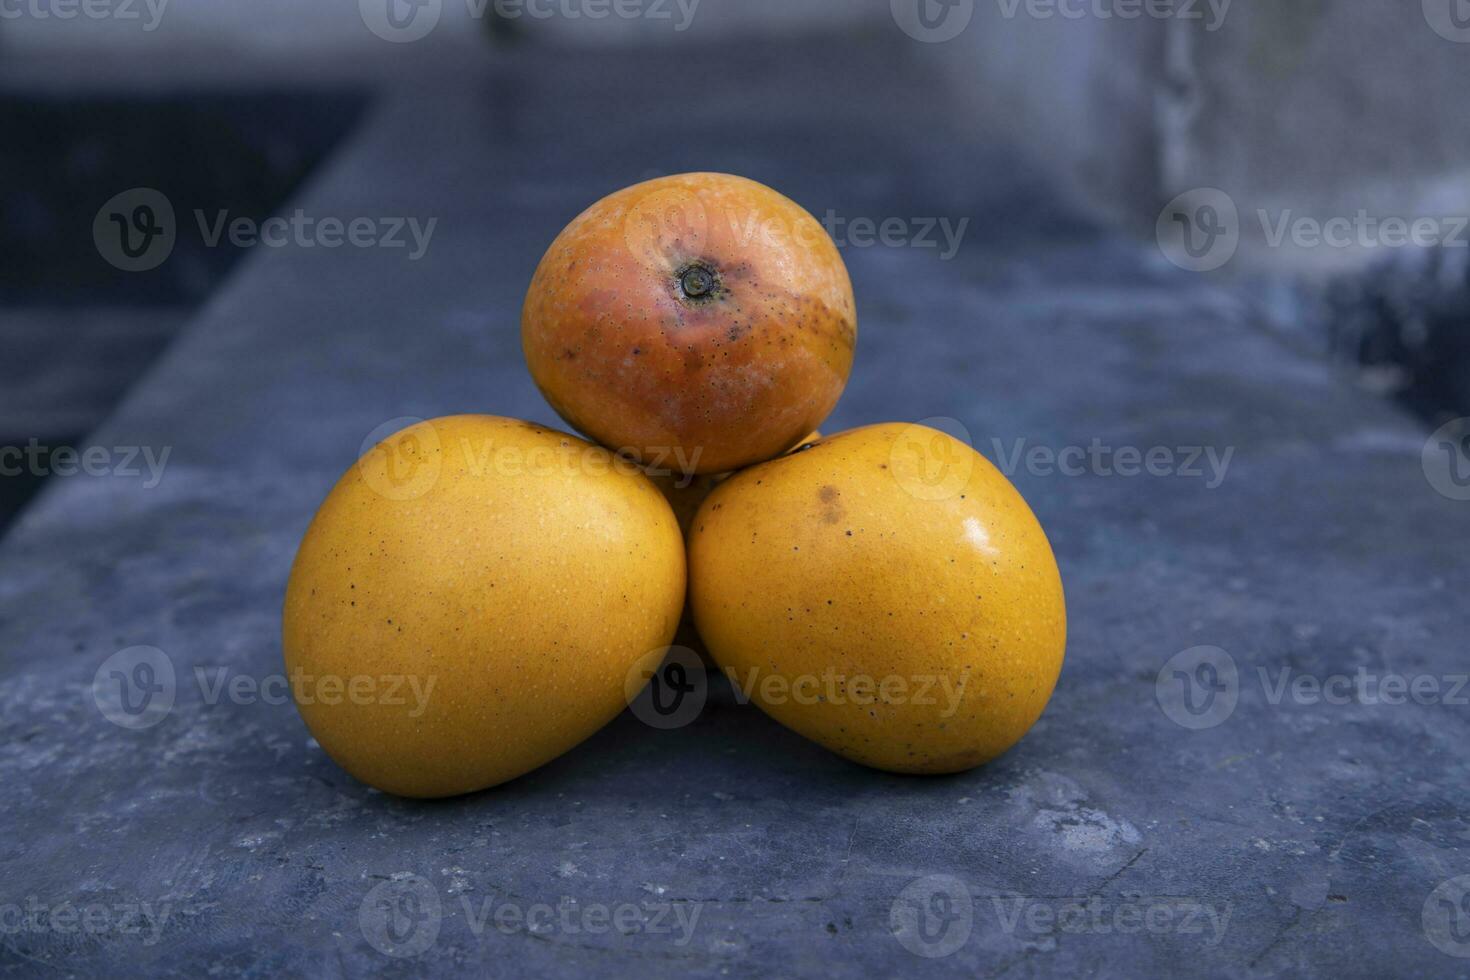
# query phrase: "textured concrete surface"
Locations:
[[52, 393], [1288, 836]]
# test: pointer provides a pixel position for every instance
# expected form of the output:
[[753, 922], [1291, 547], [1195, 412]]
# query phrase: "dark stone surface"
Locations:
[[1319, 829]]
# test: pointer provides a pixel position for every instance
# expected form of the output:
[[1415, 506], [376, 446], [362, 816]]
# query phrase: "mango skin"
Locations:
[[707, 384], [686, 494], [892, 551], [524, 570]]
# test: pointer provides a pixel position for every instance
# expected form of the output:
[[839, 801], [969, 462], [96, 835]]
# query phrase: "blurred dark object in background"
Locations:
[[244, 151], [1406, 321], [76, 332]]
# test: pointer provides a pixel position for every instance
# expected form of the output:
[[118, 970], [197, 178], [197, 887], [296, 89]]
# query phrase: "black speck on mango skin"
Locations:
[[832, 512], [727, 378]]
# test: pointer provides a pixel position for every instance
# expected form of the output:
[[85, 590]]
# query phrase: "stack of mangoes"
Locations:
[[885, 591]]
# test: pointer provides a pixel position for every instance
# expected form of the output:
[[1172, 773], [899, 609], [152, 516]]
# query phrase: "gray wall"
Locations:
[[1308, 109], [322, 25], [1314, 109]]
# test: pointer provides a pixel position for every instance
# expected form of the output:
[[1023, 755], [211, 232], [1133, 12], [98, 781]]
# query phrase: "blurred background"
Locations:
[[1317, 149]]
